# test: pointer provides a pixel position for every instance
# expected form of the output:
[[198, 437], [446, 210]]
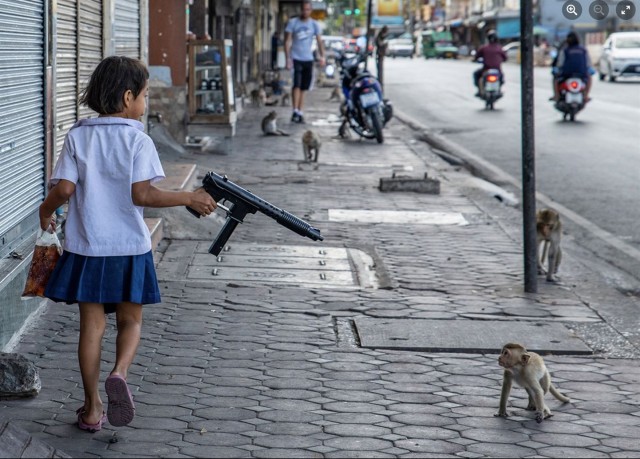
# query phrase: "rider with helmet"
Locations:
[[492, 55], [572, 61]]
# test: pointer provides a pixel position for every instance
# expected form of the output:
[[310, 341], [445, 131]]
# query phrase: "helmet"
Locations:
[[492, 36]]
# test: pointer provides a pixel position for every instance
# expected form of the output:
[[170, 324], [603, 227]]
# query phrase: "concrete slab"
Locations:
[[473, 336], [401, 217]]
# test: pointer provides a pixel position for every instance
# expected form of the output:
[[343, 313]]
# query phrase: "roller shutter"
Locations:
[[127, 28], [21, 110], [66, 69], [89, 45]]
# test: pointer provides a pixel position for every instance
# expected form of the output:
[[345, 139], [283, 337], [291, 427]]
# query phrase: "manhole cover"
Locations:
[[290, 264], [474, 336], [401, 217]]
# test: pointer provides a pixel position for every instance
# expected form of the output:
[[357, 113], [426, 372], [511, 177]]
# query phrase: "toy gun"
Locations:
[[244, 202]]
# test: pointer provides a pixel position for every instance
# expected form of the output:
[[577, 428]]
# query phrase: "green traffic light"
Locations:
[[356, 11], [347, 12]]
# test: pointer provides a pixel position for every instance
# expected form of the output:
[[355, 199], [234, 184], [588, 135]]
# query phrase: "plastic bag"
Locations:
[[45, 256]]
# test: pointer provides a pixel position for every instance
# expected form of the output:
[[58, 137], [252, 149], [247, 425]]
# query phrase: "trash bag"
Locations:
[[45, 256]]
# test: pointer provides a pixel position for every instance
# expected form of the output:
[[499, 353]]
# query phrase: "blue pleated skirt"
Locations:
[[107, 280]]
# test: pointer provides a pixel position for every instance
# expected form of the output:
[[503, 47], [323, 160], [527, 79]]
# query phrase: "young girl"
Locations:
[[105, 171]]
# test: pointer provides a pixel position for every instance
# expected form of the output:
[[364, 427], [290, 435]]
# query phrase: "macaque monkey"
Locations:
[[335, 94], [270, 126], [529, 372], [549, 232], [258, 97], [311, 146], [286, 99]]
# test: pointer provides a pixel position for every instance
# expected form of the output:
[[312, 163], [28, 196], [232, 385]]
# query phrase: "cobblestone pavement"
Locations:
[[265, 369]]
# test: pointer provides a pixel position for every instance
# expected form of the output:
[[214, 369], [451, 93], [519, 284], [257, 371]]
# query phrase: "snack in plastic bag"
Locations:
[[45, 257]]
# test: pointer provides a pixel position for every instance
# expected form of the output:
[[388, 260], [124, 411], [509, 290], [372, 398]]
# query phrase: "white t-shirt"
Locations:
[[103, 157]]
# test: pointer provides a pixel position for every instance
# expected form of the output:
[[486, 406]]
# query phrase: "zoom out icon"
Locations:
[[599, 10]]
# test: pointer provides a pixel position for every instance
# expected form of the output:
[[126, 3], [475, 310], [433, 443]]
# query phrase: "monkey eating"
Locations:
[[529, 372], [548, 234]]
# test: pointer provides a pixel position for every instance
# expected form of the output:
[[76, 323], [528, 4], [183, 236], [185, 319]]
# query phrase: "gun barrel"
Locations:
[[283, 217]]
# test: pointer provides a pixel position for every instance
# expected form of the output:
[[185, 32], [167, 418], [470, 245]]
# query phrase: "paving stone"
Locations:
[[280, 415], [422, 419], [560, 451], [213, 451], [423, 446], [287, 441], [357, 430], [286, 453], [492, 436], [356, 454], [289, 428]]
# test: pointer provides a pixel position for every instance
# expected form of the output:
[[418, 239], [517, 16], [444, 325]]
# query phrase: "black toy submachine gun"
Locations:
[[244, 202]]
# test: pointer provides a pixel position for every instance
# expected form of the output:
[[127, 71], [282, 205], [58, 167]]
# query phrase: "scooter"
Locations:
[[571, 97], [364, 110], [490, 87]]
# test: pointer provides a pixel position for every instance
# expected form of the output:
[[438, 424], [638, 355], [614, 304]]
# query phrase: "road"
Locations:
[[591, 166]]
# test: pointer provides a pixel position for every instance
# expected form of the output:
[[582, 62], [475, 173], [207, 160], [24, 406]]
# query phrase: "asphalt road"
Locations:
[[591, 166]]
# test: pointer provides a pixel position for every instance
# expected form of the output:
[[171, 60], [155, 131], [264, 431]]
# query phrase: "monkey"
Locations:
[[335, 94], [241, 90], [258, 97], [548, 234], [286, 98], [529, 372], [269, 125], [311, 144]]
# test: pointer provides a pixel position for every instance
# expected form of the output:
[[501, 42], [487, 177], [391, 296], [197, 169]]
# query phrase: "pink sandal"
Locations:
[[121, 408], [92, 428]]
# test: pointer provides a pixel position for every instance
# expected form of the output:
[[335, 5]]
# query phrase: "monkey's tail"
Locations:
[[558, 395]]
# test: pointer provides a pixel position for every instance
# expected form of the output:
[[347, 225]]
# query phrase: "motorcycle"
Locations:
[[571, 98], [364, 110], [490, 87]]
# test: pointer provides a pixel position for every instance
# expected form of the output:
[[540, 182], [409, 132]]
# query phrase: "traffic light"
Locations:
[[347, 12], [356, 11]]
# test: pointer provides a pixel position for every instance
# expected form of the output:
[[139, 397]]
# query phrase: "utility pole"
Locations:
[[528, 149]]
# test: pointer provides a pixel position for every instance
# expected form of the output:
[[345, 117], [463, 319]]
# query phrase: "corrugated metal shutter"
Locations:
[[89, 45], [66, 73], [127, 28], [21, 110]]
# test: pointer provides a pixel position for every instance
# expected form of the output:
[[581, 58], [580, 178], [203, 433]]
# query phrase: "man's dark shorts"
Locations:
[[302, 74]]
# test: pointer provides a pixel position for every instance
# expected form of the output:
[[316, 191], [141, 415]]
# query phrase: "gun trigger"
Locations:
[[225, 208]]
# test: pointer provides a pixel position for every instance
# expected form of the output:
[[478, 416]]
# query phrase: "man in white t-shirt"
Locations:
[[299, 35]]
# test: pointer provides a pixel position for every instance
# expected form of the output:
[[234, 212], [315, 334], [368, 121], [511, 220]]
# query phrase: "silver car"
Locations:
[[620, 56]]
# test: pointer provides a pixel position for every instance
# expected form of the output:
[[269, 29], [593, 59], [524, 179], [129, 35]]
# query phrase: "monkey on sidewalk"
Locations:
[[548, 235], [528, 370]]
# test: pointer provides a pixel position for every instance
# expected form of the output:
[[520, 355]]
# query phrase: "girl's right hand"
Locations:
[[202, 202]]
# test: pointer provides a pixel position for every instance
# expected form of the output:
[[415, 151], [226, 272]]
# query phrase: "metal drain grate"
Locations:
[[301, 265]]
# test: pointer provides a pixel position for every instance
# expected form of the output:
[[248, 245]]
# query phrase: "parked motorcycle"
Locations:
[[571, 97], [490, 87], [364, 110]]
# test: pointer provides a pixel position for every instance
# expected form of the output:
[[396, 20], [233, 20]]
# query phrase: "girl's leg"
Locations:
[[129, 322], [92, 325]]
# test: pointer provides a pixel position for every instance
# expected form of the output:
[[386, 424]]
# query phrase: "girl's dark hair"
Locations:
[[573, 39], [114, 76]]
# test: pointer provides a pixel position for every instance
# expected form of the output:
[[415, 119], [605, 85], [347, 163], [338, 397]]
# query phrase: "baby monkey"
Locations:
[[548, 234], [311, 146], [529, 372]]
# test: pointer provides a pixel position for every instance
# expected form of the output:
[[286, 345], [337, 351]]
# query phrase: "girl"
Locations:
[[105, 171]]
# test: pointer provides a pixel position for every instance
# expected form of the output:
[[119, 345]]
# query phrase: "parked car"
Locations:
[[401, 46], [512, 50], [620, 56]]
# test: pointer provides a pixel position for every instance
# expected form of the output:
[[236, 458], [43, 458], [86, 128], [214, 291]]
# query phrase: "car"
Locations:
[[512, 50], [620, 56], [439, 45], [400, 46], [333, 45]]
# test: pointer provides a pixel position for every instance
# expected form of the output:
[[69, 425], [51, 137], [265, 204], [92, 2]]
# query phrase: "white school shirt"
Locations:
[[103, 157]]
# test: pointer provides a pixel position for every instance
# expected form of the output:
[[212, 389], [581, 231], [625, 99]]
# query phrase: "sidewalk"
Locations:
[[246, 359]]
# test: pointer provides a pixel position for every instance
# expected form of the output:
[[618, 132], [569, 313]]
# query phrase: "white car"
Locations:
[[400, 46], [620, 56]]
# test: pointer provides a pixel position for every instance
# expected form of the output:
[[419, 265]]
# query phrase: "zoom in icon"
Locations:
[[572, 10], [599, 10]]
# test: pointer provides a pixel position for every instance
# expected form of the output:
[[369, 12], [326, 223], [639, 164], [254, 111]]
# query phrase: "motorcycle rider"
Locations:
[[572, 60], [493, 56]]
